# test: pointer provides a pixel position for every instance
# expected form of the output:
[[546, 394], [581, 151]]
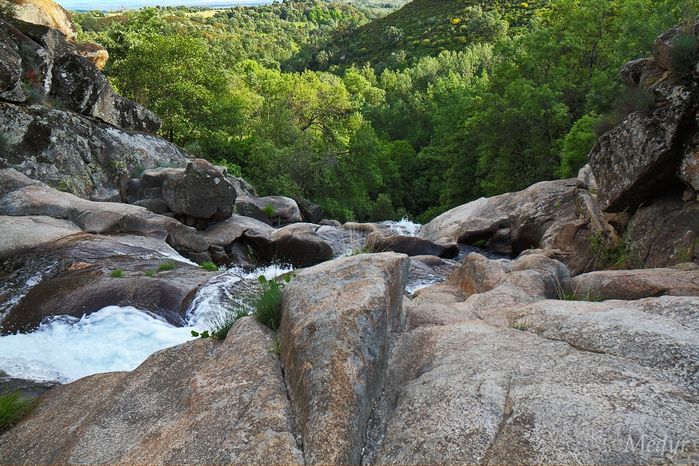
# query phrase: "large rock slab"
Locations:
[[204, 402], [500, 374], [636, 284], [25, 197], [21, 233], [336, 324], [638, 158], [558, 216]]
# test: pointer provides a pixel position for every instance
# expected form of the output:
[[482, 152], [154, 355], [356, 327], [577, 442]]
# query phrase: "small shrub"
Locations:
[[683, 55], [167, 266], [13, 407], [65, 186], [210, 266], [609, 255], [118, 273], [149, 273]]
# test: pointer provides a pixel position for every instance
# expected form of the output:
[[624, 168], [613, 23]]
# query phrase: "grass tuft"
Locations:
[[167, 266], [149, 273], [13, 407], [118, 273], [210, 266]]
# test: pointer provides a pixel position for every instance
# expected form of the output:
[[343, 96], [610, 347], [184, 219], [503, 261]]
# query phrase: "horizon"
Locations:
[[116, 5]]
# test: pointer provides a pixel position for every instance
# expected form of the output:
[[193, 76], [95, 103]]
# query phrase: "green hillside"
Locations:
[[425, 28]]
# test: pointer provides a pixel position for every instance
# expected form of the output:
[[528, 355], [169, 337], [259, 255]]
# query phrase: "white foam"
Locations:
[[67, 348]]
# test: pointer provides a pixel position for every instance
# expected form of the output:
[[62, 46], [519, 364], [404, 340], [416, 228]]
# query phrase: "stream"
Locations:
[[63, 348]]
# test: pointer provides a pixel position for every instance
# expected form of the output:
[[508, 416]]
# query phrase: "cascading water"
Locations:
[[116, 338]]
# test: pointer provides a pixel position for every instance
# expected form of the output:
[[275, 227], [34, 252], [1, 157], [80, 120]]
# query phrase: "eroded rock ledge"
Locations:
[[485, 368]]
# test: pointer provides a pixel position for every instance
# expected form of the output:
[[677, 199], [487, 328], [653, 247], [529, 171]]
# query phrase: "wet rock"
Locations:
[[200, 191], [28, 388], [83, 282], [635, 284], [410, 245], [201, 402], [297, 244], [337, 318]]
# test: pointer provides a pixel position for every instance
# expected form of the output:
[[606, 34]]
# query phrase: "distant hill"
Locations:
[[378, 7], [426, 27]]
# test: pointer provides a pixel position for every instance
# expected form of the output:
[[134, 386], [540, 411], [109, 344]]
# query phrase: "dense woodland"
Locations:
[[436, 104]]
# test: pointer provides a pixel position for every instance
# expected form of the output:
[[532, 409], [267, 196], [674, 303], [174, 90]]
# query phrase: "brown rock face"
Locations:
[[46, 13], [336, 325], [204, 402]]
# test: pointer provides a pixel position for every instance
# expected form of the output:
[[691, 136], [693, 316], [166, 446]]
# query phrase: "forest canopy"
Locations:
[[505, 94]]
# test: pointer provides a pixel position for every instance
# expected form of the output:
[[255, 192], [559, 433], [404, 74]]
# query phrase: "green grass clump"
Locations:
[[268, 305], [269, 210], [210, 266], [149, 273], [13, 407], [167, 266], [118, 273]]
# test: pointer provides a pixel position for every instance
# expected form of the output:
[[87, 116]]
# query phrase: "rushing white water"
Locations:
[[67, 348], [405, 227], [119, 338]]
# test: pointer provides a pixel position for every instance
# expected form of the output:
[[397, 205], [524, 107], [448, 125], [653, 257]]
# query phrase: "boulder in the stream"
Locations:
[[410, 245], [203, 402], [297, 244]]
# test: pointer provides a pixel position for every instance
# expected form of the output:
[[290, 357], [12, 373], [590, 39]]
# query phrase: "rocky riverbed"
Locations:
[[559, 324]]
